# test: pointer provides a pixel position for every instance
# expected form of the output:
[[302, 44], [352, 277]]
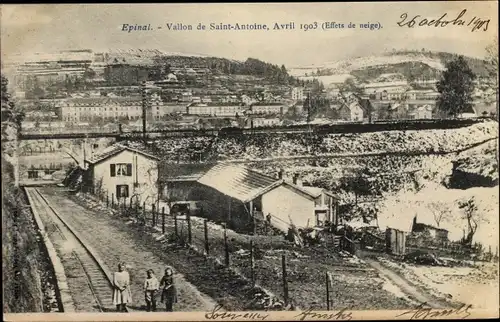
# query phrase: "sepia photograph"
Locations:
[[250, 161]]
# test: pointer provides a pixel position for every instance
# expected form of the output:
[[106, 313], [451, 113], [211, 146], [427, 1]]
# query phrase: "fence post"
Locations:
[[285, 281], [112, 200], [252, 263], [188, 218], [153, 208], [144, 212], [175, 226], [163, 220], [205, 227], [327, 291], [226, 248], [107, 200]]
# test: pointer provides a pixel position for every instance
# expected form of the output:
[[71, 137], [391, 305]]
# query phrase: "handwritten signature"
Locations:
[[422, 312], [475, 23], [343, 315], [232, 316]]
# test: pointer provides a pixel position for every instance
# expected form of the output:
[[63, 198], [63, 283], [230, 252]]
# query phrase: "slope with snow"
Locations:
[[348, 65], [399, 210]]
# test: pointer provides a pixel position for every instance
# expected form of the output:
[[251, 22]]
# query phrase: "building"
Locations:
[[353, 108], [228, 110], [206, 99], [186, 97], [438, 234], [228, 99], [298, 94], [425, 82], [268, 108], [387, 90], [243, 197], [122, 173], [421, 112], [262, 122], [107, 108], [422, 95], [420, 109], [40, 115]]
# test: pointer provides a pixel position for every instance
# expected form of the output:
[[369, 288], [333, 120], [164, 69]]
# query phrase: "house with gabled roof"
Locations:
[[123, 173], [243, 198]]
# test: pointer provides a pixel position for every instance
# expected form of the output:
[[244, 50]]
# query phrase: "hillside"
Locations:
[[411, 64]]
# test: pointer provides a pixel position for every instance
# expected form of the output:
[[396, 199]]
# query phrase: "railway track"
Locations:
[[90, 283]]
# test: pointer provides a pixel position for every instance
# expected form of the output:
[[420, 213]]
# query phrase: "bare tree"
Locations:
[[473, 218], [440, 212]]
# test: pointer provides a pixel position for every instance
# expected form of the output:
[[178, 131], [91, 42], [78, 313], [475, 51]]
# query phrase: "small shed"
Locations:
[[395, 241]]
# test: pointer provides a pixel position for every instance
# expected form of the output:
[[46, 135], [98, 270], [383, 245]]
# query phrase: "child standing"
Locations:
[[169, 293], [151, 286]]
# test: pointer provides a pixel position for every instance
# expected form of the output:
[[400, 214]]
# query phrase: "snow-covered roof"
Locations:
[[114, 150], [237, 181], [386, 84]]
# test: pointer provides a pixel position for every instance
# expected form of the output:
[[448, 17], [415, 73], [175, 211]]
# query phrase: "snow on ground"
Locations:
[[476, 285], [398, 211], [330, 79], [345, 66], [463, 283]]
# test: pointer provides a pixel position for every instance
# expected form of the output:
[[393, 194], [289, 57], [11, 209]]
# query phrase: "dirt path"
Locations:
[[114, 244], [404, 285]]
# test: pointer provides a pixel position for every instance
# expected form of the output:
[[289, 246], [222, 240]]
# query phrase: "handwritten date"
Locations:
[[474, 23]]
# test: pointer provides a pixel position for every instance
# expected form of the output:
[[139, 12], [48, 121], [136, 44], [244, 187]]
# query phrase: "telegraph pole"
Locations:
[[308, 107], [144, 105]]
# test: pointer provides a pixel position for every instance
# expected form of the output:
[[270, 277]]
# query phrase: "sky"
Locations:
[[48, 28]]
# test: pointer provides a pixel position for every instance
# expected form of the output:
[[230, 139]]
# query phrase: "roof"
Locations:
[[183, 172], [386, 84], [244, 184], [98, 101], [313, 192], [237, 181], [114, 150]]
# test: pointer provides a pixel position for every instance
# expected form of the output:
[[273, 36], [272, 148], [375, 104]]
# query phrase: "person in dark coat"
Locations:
[[169, 293]]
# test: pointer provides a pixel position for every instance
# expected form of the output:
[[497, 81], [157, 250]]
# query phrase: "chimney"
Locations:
[[280, 174]]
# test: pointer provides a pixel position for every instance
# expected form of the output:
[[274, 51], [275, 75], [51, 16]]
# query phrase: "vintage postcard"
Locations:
[[250, 161]]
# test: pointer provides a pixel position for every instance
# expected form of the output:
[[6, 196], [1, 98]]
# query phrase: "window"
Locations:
[[122, 191], [121, 169]]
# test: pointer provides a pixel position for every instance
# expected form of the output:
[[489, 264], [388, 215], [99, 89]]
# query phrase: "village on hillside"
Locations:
[[82, 88]]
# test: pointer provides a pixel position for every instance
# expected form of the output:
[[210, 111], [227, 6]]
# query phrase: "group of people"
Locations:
[[122, 296]]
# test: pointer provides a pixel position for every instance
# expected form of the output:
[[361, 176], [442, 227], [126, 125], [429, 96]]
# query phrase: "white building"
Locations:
[[106, 108], [187, 97], [215, 110], [298, 93], [387, 90], [236, 194], [422, 94], [124, 174], [263, 122], [268, 108]]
